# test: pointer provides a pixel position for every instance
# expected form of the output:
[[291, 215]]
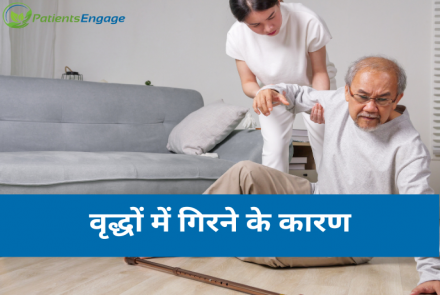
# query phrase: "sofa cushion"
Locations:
[[203, 129], [50, 168], [119, 187], [59, 115]]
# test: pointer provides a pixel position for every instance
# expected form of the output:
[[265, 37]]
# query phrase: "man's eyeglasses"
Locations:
[[362, 99]]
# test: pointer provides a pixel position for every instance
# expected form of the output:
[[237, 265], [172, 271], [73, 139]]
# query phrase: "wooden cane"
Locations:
[[177, 271]]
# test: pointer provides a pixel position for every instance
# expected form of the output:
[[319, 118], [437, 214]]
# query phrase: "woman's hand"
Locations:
[[317, 114], [267, 99]]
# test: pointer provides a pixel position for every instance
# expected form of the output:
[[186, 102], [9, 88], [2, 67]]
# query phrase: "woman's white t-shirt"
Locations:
[[283, 58]]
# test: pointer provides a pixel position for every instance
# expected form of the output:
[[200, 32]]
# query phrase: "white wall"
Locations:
[[182, 44], [172, 43], [33, 47]]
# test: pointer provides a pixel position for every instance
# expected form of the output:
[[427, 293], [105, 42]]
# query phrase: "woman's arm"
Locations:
[[251, 87], [248, 79], [320, 81]]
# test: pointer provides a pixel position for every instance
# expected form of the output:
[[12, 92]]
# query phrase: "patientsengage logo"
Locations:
[[17, 16]]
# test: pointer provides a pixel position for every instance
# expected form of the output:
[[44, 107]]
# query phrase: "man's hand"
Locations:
[[429, 287], [317, 114], [267, 99]]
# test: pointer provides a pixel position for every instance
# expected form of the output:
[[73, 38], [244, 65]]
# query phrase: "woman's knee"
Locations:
[[276, 148]]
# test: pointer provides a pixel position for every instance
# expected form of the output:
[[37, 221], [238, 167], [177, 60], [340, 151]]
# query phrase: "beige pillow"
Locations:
[[203, 129]]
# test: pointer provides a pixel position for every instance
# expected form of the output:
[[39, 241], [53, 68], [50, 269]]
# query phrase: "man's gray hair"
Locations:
[[378, 63]]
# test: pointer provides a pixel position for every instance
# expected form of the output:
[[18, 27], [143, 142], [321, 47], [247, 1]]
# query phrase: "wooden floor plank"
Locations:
[[115, 277], [319, 290], [380, 276], [408, 274], [388, 276], [19, 262], [63, 264], [35, 282], [338, 276]]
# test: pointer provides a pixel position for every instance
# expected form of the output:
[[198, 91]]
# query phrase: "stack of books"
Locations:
[[298, 163], [300, 135]]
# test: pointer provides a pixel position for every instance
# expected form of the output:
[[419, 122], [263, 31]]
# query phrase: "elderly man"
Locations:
[[370, 147]]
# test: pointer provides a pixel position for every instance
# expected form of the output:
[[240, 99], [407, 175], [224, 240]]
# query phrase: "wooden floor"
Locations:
[[387, 276]]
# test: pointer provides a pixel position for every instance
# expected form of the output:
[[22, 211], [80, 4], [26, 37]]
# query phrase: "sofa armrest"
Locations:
[[241, 145]]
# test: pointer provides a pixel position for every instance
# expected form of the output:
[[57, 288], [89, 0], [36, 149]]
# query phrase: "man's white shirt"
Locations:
[[390, 160]]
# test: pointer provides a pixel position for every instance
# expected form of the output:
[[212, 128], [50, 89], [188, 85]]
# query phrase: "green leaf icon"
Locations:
[[17, 20], [14, 17]]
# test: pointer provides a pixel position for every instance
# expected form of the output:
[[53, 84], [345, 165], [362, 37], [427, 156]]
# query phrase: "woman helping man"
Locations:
[[274, 42]]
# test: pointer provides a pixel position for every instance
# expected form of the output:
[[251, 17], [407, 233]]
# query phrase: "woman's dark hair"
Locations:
[[241, 8]]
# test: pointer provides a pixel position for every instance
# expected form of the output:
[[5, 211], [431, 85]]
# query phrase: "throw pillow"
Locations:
[[203, 129]]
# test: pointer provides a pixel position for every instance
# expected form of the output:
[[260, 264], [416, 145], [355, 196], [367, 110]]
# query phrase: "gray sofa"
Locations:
[[70, 137]]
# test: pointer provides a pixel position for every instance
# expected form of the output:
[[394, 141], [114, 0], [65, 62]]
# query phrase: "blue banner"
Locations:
[[219, 225]]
